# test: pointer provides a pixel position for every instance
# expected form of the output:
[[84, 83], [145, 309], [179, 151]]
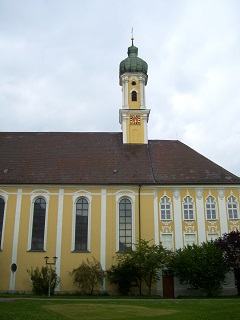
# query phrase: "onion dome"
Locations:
[[133, 63]]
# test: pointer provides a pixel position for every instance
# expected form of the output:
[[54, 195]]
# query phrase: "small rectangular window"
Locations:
[[190, 239], [167, 241], [212, 236]]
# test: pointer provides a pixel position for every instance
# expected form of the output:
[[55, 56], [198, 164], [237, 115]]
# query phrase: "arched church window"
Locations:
[[125, 225], [2, 207], [81, 228], [38, 226], [134, 95]]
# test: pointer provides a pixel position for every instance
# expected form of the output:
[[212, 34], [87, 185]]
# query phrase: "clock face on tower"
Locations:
[[135, 119]]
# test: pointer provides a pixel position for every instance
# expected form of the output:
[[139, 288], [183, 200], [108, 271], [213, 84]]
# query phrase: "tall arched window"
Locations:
[[188, 208], [125, 225], [232, 207], [165, 207], [81, 228], [38, 226], [211, 210], [134, 95], [2, 207]]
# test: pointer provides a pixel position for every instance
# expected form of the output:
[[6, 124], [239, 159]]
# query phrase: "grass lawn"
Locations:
[[219, 309]]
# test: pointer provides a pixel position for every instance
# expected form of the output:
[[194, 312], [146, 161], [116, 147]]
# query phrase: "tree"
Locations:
[[149, 260], [123, 274], [40, 280], [202, 267], [230, 244], [88, 275], [140, 265]]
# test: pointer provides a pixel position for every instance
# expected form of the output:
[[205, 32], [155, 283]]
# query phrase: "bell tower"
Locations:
[[133, 116]]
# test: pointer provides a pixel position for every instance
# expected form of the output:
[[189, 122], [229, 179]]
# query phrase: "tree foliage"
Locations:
[[140, 265], [202, 267], [88, 275], [230, 244], [124, 274], [40, 280], [149, 259]]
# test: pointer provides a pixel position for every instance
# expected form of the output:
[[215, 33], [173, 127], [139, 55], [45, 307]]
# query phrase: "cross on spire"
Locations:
[[132, 38]]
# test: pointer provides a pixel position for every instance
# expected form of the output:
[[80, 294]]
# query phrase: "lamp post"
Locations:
[[50, 275]]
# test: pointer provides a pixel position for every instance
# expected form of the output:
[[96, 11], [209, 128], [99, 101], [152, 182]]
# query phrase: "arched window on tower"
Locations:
[[81, 228], [2, 207], [134, 95], [125, 225], [38, 226]]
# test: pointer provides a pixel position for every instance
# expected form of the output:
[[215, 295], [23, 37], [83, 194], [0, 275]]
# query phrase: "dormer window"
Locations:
[[134, 95]]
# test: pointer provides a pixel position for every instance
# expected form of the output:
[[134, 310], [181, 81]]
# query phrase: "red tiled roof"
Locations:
[[102, 158]]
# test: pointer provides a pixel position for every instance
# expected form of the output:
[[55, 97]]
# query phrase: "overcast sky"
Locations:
[[59, 63]]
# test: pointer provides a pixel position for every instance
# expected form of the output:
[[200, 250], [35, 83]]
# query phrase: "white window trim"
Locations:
[[5, 198], [237, 203], [134, 90], [171, 213], [190, 233], [194, 209], [168, 233], [76, 197], [216, 208], [33, 198], [131, 198], [208, 233]]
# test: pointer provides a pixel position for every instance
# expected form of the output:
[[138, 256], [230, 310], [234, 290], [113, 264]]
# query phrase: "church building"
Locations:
[[78, 195]]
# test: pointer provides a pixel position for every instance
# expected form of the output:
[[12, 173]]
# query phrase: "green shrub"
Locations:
[[40, 280], [88, 275]]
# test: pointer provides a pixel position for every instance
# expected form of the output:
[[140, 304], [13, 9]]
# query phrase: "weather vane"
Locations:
[[132, 38]]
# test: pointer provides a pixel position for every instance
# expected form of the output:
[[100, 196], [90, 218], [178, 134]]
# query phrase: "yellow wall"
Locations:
[[69, 260], [135, 132]]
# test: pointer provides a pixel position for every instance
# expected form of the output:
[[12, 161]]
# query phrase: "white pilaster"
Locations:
[[15, 238], [177, 219], [145, 123], [156, 221], [103, 228], [59, 233], [125, 92], [142, 102], [200, 216], [103, 232], [222, 211]]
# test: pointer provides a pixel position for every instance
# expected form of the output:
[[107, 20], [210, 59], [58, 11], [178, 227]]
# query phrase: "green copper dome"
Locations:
[[133, 63]]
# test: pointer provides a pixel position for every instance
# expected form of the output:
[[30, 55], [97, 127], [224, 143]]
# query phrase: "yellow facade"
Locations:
[[103, 228]]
